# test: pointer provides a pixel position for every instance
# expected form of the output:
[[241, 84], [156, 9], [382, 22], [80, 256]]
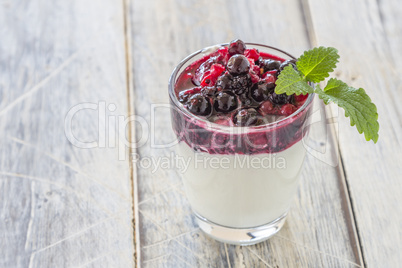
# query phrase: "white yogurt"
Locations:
[[242, 191]]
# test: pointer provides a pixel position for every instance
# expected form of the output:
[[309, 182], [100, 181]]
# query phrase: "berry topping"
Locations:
[[237, 47], [237, 85], [261, 90], [238, 65], [199, 105], [279, 99], [227, 87], [246, 117], [225, 101]]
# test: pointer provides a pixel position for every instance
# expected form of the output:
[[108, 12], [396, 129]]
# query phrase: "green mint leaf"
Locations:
[[291, 81], [357, 105], [317, 63]]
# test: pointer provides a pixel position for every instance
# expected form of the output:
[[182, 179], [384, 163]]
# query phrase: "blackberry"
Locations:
[[241, 83], [199, 105], [225, 101], [236, 47], [238, 65]]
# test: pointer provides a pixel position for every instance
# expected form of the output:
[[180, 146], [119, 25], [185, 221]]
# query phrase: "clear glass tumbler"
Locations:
[[240, 181]]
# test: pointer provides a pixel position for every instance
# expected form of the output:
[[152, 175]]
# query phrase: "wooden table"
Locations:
[[77, 80]]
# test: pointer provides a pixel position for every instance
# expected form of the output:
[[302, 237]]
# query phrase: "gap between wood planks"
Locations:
[[131, 131], [347, 202]]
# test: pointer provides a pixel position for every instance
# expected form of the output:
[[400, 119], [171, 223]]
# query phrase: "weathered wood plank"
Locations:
[[61, 205], [318, 231], [368, 37]]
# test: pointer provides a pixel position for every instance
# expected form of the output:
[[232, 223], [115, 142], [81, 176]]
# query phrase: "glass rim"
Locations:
[[275, 124]]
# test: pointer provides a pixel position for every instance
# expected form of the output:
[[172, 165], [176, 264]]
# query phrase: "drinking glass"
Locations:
[[240, 181]]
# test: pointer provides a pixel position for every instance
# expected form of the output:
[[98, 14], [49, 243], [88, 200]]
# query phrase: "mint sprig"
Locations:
[[314, 66]]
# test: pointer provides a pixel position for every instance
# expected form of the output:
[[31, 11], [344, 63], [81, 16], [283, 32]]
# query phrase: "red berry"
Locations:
[[254, 78], [266, 107], [223, 51], [225, 122], [288, 109], [216, 71], [300, 98], [269, 78], [255, 69], [252, 54], [273, 72], [207, 81]]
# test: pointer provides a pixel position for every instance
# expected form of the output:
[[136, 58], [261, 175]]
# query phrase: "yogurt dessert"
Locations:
[[242, 140]]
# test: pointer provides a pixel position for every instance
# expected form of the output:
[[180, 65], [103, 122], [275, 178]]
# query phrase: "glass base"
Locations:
[[240, 236]]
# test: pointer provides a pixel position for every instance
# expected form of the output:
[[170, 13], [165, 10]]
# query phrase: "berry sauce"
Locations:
[[235, 87]]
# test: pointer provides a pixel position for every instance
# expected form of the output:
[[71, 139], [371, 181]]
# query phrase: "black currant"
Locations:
[[262, 90], [286, 63], [224, 81], [199, 105], [237, 47], [246, 117], [225, 101], [238, 65], [270, 65]]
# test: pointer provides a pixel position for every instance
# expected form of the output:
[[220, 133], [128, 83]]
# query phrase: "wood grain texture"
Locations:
[[368, 37], [60, 205], [317, 233]]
